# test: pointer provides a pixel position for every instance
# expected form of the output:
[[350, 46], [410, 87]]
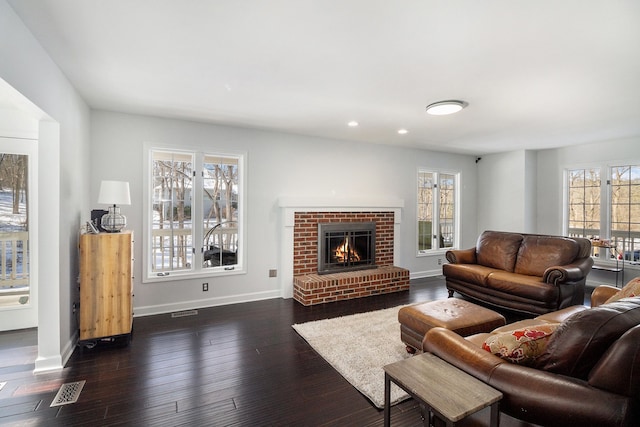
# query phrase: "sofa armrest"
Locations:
[[530, 394], [568, 273], [461, 353], [550, 399], [461, 256], [602, 293]]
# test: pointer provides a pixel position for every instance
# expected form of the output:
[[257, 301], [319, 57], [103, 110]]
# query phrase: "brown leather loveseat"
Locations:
[[528, 273], [586, 374]]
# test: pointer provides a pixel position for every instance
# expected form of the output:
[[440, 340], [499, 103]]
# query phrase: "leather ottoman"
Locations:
[[457, 315]]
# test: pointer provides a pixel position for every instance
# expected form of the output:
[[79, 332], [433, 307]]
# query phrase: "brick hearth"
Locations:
[[313, 289], [310, 288]]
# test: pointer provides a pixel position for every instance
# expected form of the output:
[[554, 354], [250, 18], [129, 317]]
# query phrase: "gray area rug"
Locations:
[[358, 346]]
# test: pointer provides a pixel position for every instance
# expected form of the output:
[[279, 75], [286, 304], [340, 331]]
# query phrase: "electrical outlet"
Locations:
[[205, 287], [439, 261], [273, 273]]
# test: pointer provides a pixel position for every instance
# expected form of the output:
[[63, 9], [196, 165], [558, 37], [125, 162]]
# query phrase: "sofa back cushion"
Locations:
[[537, 253], [498, 249], [581, 340]]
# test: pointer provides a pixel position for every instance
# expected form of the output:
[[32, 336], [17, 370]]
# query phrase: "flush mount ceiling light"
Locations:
[[352, 124], [442, 108]]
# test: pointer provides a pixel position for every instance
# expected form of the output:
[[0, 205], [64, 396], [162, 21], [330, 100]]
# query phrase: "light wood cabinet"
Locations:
[[106, 285]]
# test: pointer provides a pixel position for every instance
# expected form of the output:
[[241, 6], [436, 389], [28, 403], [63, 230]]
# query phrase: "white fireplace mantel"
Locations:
[[290, 205], [329, 202]]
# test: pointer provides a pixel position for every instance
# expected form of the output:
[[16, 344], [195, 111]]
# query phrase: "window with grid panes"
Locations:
[[195, 213], [437, 211]]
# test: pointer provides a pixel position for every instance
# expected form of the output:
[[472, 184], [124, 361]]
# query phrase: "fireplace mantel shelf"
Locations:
[[339, 202]]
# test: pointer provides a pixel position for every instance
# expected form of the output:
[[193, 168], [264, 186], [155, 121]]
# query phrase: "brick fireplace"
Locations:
[[311, 288]]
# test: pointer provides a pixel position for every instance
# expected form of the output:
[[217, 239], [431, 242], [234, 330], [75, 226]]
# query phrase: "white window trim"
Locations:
[[26, 315], [604, 169], [605, 197], [240, 267], [436, 208]]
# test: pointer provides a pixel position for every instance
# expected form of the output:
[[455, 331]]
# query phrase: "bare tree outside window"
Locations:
[[172, 228], [584, 202], [220, 243], [14, 228], [194, 196], [447, 210], [425, 210], [621, 227], [625, 210], [436, 210]]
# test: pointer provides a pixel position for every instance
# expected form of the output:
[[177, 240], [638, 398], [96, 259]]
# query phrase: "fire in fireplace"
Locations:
[[346, 246]]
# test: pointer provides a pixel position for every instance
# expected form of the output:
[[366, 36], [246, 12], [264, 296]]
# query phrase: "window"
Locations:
[[195, 213], [584, 202], [437, 210], [18, 233], [617, 219], [625, 210]]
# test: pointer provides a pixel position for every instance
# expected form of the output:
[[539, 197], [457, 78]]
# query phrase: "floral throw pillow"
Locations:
[[631, 289], [521, 346]]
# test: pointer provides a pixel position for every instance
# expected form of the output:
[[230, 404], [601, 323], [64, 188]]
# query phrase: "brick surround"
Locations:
[[310, 288]]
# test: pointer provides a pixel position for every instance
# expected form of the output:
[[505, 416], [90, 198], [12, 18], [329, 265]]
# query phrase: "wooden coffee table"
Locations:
[[445, 390]]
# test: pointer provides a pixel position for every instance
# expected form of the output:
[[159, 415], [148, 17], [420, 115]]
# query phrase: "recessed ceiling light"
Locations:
[[403, 131], [442, 108], [352, 124]]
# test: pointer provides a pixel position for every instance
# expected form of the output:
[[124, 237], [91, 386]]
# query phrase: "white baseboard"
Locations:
[[427, 273], [56, 362], [48, 364], [151, 310]]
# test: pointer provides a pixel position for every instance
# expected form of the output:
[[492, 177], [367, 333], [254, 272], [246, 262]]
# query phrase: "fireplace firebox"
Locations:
[[346, 246]]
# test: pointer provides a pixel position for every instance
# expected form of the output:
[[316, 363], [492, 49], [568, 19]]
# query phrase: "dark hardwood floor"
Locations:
[[234, 365]]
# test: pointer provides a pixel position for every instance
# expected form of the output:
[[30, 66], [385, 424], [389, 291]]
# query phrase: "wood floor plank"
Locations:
[[235, 365]]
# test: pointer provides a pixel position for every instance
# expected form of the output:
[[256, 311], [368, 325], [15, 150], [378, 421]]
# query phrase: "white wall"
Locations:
[[502, 199], [63, 153], [278, 165], [530, 191]]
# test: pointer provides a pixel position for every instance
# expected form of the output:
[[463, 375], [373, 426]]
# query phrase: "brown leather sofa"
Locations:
[[588, 373], [528, 273]]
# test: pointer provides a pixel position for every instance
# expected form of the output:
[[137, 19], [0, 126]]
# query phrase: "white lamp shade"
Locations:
[[114, 193]]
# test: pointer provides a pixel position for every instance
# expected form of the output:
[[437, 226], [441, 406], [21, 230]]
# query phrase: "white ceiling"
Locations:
[[536, 74]]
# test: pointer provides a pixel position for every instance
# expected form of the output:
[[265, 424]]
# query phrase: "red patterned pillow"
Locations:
[[521, 346], [631, 289]]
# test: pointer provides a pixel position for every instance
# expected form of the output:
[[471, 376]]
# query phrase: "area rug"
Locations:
[[358, 346]]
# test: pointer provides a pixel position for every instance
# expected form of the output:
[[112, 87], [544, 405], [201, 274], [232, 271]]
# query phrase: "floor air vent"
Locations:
[[68, 393], [184, 313]]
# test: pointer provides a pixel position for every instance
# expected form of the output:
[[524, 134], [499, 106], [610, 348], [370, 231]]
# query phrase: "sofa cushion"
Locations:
[[631, 289], [529, 287], [472, 273], [582, 339], [537, 253], [498, 249], [522, 345]]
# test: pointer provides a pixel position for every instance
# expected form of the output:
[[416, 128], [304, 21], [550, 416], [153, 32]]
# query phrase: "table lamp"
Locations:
[[114, 193]]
